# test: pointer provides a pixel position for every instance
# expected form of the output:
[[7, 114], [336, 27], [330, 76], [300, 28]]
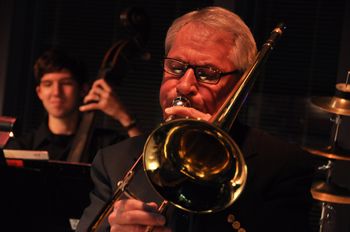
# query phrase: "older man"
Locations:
[[206, 53]]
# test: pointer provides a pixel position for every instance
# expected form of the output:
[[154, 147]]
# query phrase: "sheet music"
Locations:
[[26, 154]]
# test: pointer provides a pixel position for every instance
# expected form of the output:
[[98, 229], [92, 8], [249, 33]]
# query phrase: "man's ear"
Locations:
[[38, 91]]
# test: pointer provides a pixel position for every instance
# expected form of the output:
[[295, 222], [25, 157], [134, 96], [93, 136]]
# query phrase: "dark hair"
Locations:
[[55, 60]]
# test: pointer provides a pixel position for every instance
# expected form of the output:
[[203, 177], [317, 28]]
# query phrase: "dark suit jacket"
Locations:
[[276, 196]]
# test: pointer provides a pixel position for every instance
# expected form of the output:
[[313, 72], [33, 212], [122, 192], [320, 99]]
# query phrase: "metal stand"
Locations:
[[327, 192]]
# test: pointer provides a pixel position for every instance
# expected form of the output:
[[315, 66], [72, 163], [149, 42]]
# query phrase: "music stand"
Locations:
[[6, 125], [44, 195]]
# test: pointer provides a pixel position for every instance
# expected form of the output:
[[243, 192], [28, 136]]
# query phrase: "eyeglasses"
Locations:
[[204, 74]]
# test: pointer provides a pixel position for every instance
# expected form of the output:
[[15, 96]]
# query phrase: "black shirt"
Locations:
[[58, 146]]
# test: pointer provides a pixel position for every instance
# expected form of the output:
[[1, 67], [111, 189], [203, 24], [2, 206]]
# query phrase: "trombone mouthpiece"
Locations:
[[179, 101]]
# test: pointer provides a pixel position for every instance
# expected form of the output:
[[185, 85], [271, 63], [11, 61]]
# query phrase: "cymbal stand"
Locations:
[[326, 191], [328, 213]]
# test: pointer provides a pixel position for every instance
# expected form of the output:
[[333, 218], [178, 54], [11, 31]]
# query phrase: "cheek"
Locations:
[[72, 95], [216, 96], [226, 90], [43, 94], [207, 93]]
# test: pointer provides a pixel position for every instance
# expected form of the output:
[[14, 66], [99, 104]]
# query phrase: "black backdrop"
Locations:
[[304, 64], [306, 61]]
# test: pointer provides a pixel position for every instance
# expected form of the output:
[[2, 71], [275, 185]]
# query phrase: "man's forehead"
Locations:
[[205, 32], [64, 75], [201, 45]]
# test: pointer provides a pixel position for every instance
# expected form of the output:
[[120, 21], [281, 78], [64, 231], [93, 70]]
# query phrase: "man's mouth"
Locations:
[[56, 102], [181, 101]]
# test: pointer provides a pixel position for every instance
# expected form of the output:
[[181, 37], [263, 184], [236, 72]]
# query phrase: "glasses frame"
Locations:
[[195, 67]]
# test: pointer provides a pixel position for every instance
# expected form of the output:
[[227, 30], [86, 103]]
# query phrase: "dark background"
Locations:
[[308, 60], [311, 57]]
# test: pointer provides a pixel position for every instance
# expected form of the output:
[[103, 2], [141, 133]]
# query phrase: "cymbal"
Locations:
[[330, 193], [329, 152], [336, 105], [343, 87]]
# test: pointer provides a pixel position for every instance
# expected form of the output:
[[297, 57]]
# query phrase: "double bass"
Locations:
[[136, 24]]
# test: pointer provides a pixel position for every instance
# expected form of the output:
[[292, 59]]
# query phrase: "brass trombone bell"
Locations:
[[195, 165]]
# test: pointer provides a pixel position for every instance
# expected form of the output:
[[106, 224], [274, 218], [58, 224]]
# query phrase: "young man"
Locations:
[[61, 87], [206, 52]]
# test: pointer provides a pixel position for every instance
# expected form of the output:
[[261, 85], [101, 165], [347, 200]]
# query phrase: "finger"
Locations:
[[133, 204], [97, 93], [97, 83], [104, 85], [89, 106], [103, 94], [137, 228], [101, 84], [187, 112], [134, 211], [91, 96], [153, 205], [127, 228], [96, 90], [139, 217]]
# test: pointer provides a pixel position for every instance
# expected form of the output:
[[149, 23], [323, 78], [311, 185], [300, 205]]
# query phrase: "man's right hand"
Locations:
[[183, 112], [135, 216]]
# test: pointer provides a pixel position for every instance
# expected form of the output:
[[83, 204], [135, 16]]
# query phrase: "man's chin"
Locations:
[[60, 114]]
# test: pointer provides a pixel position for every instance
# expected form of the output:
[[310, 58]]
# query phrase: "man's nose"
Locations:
[[56, 88], [187, 84]]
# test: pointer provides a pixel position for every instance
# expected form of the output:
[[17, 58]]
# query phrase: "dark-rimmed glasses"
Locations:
[[204, 74]]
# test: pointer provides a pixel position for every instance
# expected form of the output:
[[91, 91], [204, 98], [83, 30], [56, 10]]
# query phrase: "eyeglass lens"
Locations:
[[203, 74]]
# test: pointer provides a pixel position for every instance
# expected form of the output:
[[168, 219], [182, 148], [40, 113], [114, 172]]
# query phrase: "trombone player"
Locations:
[[206, 52]]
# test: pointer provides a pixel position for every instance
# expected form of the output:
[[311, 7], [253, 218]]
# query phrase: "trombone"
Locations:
[[189, 161]]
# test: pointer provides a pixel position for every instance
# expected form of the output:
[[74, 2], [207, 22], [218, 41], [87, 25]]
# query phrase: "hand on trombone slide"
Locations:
[[186, 112], [182, 107], [131, 215]]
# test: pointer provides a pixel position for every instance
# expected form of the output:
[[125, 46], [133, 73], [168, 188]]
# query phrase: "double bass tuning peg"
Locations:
[[136, 22]]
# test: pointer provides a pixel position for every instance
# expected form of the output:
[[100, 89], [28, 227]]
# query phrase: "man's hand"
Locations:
[[183, 112], [135, 216], [102, 97]]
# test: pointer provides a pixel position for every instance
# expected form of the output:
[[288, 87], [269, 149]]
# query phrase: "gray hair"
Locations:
[[244, 49]]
